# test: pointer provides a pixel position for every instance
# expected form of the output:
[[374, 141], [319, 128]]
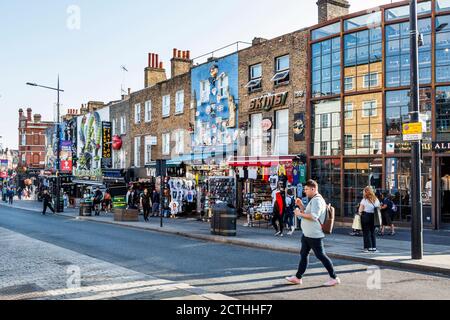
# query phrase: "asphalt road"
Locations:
[[240, 272]]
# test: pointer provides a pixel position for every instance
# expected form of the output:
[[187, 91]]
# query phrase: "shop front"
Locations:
[[258, 177]]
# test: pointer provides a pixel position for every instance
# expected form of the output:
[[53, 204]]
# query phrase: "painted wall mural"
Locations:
[[215, 96]]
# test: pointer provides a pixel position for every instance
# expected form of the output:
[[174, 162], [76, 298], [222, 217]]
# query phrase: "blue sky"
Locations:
[[36, 44]]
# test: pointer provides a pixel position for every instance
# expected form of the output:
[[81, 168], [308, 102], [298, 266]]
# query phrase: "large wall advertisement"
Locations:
[[215, 94], [90, 143]]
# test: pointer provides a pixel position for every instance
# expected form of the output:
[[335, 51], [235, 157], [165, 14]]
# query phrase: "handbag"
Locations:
[[357, 222], [377, 216]]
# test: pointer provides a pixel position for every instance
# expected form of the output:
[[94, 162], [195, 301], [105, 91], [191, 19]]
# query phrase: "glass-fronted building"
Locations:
[[359, 99]]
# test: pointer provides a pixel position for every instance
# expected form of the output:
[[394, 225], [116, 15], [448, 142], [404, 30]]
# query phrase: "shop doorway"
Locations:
[[444, 190]]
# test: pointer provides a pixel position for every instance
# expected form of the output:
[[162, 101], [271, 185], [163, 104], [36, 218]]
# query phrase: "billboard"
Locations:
[[215, 97], [90, 143]]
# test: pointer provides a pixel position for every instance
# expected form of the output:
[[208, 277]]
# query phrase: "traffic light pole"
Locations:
[[416, 170]]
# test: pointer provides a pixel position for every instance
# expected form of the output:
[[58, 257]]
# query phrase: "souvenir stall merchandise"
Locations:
[[183, 195], [221, 189]]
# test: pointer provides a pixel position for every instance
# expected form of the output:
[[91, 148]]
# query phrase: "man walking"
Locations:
[[312, 218], [47, 199]]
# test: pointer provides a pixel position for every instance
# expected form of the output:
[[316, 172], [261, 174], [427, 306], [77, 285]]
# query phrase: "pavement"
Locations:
[[394, 251], [37, 270]]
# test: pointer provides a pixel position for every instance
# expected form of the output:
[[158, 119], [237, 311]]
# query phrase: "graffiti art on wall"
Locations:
[[215, 90]]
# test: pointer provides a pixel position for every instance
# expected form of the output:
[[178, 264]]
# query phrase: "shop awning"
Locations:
[[268, 161], [88, 182]]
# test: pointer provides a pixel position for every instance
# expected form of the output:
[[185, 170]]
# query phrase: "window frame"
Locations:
[[166, 106], [137, 113], [371, 113], [178, 103], [148, 111]]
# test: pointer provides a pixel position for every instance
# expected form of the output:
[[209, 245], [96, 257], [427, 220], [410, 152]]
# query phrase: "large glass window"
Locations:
[[281, 145], [443, 49], [362, 60], [398, 54], [364, 124], [358, 174], [443, 114], [326, 133], [326, 31], [326, 68], [327, 173], [403, 12], [256, 135], [370, 19], [442, 5], [397, 114]]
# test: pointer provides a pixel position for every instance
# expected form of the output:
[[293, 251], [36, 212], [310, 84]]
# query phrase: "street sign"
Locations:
[[413, 131]]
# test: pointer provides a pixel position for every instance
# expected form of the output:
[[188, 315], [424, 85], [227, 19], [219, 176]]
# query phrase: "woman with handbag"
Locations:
[[369, 209]]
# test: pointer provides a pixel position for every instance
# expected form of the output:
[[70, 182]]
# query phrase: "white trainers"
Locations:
[[332, 282], [294, 280]]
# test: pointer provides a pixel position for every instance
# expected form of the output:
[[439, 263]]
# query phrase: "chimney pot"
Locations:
[[184, 54], [179, 53], [129, 91], [188, 55], [175, 52], [149, 60], [161, 66], [156, 60]]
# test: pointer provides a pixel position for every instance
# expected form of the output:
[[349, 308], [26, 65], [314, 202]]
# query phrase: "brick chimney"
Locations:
[[258, 40], [29, 111], [20, 114], [181, 62], [330, 9], [37, 118], [155, 71]]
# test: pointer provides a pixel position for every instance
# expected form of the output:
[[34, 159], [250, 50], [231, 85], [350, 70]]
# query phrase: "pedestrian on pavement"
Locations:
[[19, 193], [47, 199], [367, 209], [166, 200], [312, 218], [5, 194], [97, 202], [279, 207], [10, 196], [107, 201], [387, 213], [289, 215], [155, 203], [146, 203]]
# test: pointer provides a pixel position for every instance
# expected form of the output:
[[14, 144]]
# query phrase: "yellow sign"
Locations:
[[413, 128]]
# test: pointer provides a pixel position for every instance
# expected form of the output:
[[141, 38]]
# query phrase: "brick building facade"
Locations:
[[161, 115], [32, 144], [265, 99]]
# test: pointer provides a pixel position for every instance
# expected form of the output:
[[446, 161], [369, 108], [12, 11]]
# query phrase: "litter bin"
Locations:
[[85, 208], [223, 221]]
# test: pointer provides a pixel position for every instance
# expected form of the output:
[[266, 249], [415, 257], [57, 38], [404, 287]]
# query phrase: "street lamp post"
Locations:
[[416, 170], [58, 207]]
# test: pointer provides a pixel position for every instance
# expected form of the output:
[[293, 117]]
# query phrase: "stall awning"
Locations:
[[88, 182], [268, 161]]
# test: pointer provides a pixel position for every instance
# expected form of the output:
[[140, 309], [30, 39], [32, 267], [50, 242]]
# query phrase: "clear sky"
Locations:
[[40, 39]]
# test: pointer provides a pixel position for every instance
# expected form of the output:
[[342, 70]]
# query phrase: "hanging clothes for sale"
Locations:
[[289, 173], [265, 174], [302, 173], [273, 181], [295, 175], [253, 173], [281, 170]]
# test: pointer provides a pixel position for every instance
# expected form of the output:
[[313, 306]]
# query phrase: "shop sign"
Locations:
[[441, 146], [266, 124], [107, 145], [413, 131], [269, 101]]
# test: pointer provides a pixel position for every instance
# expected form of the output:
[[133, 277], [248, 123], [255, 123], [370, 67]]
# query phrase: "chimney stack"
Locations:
[[330, 9], [20, 113], [37, 118], [29, 111], [154, 73], [181, 62]]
